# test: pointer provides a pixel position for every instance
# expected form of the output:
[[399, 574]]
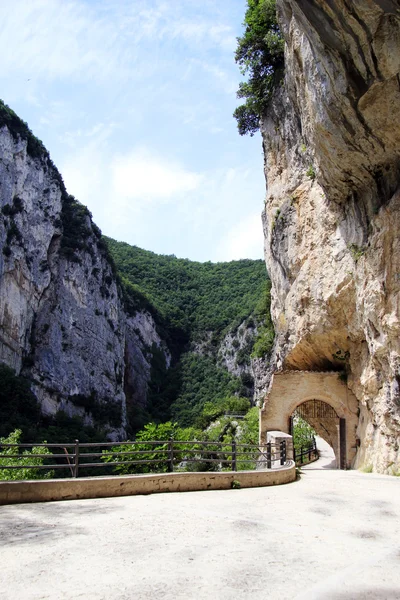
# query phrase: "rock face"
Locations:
[[331, 141], [233, 353], [62, 318]]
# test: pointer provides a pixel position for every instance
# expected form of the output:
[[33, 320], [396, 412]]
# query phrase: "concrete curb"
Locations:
[[16, 492]]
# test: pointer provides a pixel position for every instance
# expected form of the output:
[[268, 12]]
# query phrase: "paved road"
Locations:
[[327, 458], [332, 535]]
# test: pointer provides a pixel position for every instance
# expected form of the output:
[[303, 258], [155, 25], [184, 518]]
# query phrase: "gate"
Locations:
[[318, 409]]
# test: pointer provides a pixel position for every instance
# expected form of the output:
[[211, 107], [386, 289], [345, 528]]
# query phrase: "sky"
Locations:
[[134, 101]]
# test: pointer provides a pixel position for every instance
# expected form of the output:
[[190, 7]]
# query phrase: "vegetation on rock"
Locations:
[[19, 409], [189, 301], [19, 128], [190, 296], [259, 54], [192, 302]]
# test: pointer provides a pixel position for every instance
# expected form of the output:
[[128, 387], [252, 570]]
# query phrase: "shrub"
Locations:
[[311, 172], [14, 458], [155, 452]]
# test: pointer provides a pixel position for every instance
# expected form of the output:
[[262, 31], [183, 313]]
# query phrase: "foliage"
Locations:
[[156, 452], [190, 296], [311, 172], [187, 299], [18, 406], [222, 431], [15, 458], [259, 54], [264, 342], [356, 251], [135, 299], [75, 219], [265, 335], [213, 410], [64, 429], [303, 433], [250, 427], [105, 411], [202, 381], [20, 409], [19, 128]]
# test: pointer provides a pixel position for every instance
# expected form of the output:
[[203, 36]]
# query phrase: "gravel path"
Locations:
[[332, 535]]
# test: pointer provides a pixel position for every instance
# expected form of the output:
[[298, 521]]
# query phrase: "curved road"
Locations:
[[331, 535]]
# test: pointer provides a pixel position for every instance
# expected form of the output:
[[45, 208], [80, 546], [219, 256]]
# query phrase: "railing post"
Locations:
[[76, 459], [234, 465], [170, 455], [283, 452], [269, 462], [301, 454]]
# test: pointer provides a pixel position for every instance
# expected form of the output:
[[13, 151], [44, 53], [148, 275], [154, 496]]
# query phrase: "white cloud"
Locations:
[[82, 41], [134, 101], [161, 205], [143, 176], [243, 240], [56, 39]]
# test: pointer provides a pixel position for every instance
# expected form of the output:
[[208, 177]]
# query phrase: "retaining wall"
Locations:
[[15, 492]]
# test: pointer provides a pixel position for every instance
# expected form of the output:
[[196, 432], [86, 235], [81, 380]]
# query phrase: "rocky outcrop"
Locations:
[[62, 314], [233, 353], [331, 140]]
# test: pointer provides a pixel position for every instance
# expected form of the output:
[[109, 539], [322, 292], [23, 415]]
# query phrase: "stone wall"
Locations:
[[131, 485]]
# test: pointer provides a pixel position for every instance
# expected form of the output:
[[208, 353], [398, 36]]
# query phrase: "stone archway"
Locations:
[[290, 389], [323, 419]]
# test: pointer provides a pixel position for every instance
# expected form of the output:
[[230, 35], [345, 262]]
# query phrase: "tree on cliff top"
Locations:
[[259, 54]]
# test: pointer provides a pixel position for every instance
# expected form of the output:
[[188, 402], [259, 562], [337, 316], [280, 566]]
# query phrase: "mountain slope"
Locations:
[[103, 344]]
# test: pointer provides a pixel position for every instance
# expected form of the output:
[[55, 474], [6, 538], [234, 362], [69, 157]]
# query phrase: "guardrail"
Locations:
[[305, 454], [155, 456]]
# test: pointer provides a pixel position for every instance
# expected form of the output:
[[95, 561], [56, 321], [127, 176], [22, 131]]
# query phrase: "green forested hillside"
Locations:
[[192, 301], [190, 295]]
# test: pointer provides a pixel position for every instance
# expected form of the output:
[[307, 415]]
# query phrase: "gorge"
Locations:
[[100, 339]]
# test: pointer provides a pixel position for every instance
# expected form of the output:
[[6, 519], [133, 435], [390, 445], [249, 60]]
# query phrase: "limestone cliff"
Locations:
[[62, 317], [331, 140]]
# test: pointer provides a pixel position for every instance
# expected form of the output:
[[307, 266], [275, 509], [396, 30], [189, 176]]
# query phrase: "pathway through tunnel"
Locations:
[[326, 460], [329, 430]]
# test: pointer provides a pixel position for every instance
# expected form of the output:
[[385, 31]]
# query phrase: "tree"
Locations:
[[259, 54]]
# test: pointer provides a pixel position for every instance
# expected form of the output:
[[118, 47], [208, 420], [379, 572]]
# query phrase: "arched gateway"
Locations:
[[326, 403]]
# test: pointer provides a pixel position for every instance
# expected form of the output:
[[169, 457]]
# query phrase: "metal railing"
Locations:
[[305, 454], [236, 414], [155, 456]]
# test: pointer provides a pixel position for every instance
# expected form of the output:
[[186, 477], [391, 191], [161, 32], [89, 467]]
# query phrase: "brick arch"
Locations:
[[290, 389]]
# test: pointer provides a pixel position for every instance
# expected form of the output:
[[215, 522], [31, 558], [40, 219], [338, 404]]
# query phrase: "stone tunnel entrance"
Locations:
[[322, 400], [324, 420]]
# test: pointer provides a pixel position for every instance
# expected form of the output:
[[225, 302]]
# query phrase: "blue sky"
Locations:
[[134, 101]]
